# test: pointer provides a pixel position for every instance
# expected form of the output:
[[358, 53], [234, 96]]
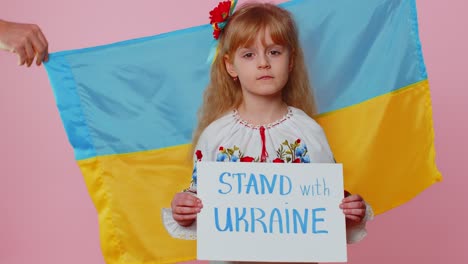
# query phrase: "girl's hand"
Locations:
[[185, 208], [354, 208]]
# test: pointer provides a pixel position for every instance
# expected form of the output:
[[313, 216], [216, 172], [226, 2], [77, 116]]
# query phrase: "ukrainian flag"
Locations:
[[129, 109]]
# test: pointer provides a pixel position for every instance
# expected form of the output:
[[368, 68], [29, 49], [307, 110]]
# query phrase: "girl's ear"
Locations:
[[230, 67]]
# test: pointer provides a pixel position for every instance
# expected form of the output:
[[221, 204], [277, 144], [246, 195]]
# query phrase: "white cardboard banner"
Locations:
[[271, 212]]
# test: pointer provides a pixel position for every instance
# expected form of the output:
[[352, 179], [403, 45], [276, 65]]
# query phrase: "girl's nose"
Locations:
[[263, 62]]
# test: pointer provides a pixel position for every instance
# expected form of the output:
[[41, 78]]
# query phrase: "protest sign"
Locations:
[[271, 212]]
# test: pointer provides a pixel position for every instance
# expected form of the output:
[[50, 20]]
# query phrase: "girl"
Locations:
[[257, 106]]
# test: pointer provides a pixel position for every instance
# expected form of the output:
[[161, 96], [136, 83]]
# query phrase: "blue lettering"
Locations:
[[302, 220], [252, 183], [241, 217], [264, 181], [305, 190], [228, 226], [278, 220], [315, 220], [317, 184], [257, 219], [239, 180], [326, 190], [221, 180], [282, 185], [315, 189]]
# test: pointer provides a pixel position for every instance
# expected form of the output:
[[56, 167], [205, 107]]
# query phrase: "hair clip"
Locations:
[[220, 15]]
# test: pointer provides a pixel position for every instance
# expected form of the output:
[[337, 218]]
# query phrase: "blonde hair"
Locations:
[[223, 94]]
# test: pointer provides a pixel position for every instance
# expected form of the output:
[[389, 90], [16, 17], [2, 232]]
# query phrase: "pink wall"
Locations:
[[46, 213]]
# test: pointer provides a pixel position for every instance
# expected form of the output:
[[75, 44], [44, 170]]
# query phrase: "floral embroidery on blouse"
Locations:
[[295, 152], [193, 184], [292, 153], [233, 154]]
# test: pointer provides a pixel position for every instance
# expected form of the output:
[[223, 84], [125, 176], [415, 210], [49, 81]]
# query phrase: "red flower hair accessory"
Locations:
[[219, 16]]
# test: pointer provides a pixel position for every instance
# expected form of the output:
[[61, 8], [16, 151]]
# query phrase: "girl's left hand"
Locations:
[[354, 208]]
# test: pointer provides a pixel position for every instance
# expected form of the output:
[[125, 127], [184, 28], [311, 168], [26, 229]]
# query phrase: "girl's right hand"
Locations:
[[185, 208]]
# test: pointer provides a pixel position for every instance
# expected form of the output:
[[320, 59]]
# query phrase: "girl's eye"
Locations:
[[275, 52], [248, 55]]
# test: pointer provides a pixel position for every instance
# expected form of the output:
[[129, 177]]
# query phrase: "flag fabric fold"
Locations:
[[129, 109]]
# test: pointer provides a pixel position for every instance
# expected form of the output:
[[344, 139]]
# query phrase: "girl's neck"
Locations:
[[262, 112]]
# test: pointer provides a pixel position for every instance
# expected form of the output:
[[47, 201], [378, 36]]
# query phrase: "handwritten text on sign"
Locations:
[[271, 212]]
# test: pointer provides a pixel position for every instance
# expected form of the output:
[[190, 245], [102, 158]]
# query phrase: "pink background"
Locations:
[[46, 213]]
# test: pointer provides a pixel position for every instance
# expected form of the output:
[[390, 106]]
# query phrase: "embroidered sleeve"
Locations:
[[201, 152], [358, 232], [193, 184], [172, 227], [317, 149], [176, 230]]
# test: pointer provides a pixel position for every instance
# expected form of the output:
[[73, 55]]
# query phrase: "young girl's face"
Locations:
[[262, 68]]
